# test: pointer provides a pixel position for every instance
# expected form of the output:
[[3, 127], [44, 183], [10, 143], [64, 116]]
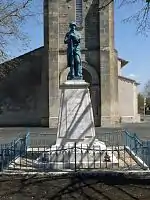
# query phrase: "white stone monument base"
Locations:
[[76, 146], [75, 121], [76, 157]]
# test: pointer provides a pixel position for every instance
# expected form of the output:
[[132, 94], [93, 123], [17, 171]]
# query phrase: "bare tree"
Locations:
[[146, 91], [13, 15], [141, 16], [140, 103]]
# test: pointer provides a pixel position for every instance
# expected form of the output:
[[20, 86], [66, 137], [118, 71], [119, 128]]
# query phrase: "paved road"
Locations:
[[141, 129], [8, 134]]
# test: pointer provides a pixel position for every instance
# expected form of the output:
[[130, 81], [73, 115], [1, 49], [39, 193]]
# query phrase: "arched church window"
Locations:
[[79, 12]]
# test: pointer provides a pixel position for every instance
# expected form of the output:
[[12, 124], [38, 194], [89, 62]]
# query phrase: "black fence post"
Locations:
[[75, 157]]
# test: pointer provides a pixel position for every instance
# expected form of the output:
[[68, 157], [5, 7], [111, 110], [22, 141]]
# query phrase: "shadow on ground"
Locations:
[[73, 187]]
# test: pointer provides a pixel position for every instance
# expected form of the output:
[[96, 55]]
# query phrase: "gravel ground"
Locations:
[[61, 188]]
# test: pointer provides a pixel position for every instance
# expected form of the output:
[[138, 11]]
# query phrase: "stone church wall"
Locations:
[[20, 91]]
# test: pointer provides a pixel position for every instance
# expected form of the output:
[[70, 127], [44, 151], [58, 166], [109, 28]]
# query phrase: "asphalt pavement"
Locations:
[[8, 134]]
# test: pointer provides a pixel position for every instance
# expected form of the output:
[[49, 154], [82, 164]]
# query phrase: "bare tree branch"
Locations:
[[104, 4], [146, 91], [141, 18], [15, 11], [127, 2], [13, 15]]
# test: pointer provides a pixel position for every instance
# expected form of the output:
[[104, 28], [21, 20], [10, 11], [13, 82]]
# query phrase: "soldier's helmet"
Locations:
[[72, 24]]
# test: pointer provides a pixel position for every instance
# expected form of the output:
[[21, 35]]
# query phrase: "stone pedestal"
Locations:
[[76, 144], [76, 121]]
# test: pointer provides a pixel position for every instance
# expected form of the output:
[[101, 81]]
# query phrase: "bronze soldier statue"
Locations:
[[72, 39]]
